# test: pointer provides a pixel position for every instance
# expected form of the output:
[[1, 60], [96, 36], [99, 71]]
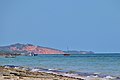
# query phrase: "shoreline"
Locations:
[[22, 73], [26, 73]]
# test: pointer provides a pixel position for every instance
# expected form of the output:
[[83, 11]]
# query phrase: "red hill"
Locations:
[[29, 48]]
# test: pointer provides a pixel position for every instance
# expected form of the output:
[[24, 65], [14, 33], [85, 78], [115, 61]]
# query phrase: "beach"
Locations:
[[19, 74], [10, 72]]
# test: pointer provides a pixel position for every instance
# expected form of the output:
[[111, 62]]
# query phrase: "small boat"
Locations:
[[32, 54], [66, 54], [35, 55]]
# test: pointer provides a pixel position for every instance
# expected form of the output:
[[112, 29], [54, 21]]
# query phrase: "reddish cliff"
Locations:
[[28, 48]]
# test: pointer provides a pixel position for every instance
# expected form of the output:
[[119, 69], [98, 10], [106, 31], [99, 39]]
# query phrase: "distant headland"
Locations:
[[19, 48], [79, 52]]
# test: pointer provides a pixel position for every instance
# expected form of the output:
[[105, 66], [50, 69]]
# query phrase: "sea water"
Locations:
[[108, 64]]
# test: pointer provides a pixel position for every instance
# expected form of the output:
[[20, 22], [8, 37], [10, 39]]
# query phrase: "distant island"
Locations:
[[29, 49], [79, 52]]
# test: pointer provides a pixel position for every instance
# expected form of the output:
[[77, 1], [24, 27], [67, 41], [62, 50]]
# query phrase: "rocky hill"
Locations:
[[29, 48]]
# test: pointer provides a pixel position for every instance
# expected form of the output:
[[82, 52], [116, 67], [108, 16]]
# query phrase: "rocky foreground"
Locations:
[[22, 73], [19, 74]]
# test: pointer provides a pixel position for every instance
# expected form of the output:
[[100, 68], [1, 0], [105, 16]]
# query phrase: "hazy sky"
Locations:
[[80, 24]]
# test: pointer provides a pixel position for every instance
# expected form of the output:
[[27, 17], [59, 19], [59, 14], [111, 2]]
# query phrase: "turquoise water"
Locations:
[[93, 63]]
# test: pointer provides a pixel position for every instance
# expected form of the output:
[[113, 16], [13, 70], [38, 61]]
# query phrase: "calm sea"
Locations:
[[92, 63]]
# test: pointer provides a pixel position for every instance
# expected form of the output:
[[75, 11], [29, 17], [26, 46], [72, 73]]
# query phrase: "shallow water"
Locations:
[[92, 63]]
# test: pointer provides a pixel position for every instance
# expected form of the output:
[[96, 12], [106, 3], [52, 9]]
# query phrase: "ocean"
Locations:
[[108, 64]]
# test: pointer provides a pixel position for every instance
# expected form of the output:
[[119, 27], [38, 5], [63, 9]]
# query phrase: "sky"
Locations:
[[91, 25]]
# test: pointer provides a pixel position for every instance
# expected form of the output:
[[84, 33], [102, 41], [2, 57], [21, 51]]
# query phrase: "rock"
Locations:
[[7, 77], [15, 73]]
